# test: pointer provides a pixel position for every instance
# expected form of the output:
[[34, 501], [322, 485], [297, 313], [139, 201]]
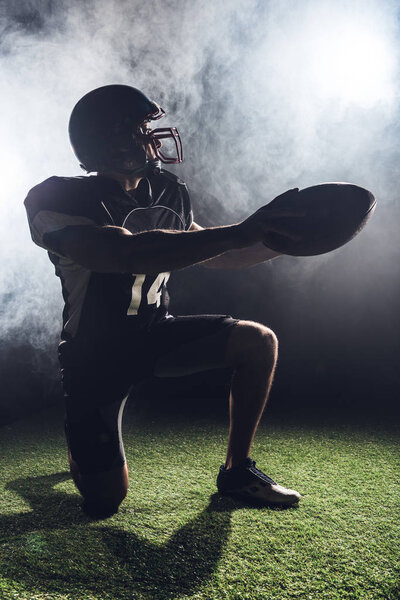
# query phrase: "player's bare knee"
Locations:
[[252, 341], [264, 343]]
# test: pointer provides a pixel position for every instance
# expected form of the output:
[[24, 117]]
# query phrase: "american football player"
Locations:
[[114, 236]]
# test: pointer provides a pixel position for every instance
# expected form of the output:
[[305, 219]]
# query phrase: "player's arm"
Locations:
[[112, 249], [109, 249], [239, 258]]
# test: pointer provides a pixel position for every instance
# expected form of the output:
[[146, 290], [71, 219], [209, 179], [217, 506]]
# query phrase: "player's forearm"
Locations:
[[115, 250], [158, 251], [241, 258]]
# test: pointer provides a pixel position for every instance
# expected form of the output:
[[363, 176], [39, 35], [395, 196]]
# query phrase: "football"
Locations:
[[334, 213]]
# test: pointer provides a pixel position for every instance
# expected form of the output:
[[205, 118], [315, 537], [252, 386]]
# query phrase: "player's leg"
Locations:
[[252, 350], [248, 347], [102, 492], [96, 457]]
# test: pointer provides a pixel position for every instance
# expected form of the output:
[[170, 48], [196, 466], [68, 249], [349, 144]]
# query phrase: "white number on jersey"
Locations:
[[153, 295]]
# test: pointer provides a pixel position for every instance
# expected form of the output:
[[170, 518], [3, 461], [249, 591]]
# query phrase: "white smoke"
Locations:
[[264, 94]]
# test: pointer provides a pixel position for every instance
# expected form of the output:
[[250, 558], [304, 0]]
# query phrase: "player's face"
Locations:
[[133, 149]]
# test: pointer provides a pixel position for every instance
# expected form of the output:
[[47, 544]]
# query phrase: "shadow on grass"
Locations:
[[56, 548]]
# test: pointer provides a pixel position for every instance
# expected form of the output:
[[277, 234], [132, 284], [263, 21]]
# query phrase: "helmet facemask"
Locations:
[[165, 143], [139, 149]]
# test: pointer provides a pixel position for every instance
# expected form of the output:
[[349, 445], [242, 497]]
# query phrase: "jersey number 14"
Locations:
[[153, 296]]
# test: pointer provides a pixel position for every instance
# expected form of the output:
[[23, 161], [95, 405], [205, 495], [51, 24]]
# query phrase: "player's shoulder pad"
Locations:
[[59, 194], [58, 185]]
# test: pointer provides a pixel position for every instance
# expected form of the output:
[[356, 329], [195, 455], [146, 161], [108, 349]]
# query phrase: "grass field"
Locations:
[[174, 538]]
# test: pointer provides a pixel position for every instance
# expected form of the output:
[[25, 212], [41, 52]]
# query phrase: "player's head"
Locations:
[[110, 130]]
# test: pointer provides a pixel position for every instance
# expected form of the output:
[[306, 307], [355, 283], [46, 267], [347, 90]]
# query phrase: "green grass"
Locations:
[[175, 538]]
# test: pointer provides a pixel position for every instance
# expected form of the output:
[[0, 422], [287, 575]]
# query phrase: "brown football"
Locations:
[[334, 214]]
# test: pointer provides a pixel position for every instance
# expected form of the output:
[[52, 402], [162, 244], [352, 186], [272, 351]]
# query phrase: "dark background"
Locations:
[[256, 118]]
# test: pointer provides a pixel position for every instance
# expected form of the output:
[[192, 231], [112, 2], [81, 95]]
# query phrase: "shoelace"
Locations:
[[260, 474]]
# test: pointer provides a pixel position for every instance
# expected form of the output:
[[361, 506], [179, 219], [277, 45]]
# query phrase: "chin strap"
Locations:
[[154, 166]]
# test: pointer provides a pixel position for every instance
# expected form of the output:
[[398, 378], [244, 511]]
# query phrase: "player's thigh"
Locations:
[[192, 344]]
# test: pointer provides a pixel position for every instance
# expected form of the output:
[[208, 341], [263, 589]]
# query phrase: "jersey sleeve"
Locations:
[[55, 204]]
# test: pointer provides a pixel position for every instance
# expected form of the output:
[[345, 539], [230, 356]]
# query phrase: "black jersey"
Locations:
[[100, 305]]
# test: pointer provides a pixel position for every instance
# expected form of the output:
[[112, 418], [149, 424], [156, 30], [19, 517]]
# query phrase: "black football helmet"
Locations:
[[109, 130]]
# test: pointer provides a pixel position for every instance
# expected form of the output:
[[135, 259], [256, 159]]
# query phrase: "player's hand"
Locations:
[[271, 218]]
